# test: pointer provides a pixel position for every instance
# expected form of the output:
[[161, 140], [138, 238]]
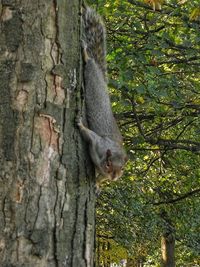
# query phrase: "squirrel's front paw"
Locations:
[[79, 122], [83, 44], [97, 190]]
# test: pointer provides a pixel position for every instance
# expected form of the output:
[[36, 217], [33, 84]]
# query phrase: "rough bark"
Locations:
[[46, 179]]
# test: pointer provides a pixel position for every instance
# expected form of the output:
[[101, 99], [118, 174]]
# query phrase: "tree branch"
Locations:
[[170, 201]]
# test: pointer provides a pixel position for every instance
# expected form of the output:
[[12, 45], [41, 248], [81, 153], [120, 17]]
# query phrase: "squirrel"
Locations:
[[103, 135]]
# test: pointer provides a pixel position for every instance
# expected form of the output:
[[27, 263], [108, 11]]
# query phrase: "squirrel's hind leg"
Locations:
[[86, 57]]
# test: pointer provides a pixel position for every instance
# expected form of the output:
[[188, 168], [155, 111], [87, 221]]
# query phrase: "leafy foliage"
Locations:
[[154, 68]]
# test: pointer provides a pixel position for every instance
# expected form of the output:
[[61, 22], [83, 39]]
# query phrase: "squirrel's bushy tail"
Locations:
[[94, 36]]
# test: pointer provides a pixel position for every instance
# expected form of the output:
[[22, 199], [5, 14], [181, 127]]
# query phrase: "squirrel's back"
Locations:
[[99, 112], [94, 36]]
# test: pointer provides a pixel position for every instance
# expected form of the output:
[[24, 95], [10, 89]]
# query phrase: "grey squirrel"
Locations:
[[103, 135]]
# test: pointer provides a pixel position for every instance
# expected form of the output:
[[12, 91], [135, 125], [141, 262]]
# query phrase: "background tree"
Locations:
[[46, 179]]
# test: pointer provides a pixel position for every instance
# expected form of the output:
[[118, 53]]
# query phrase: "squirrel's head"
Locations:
[[113, 165]]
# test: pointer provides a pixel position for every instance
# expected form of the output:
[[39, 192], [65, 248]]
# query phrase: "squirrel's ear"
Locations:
[[126, 158], [108, 153]]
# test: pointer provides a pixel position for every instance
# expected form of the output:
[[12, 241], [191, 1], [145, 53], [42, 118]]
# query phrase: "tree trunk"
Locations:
[[168, 250], [47, 199]]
